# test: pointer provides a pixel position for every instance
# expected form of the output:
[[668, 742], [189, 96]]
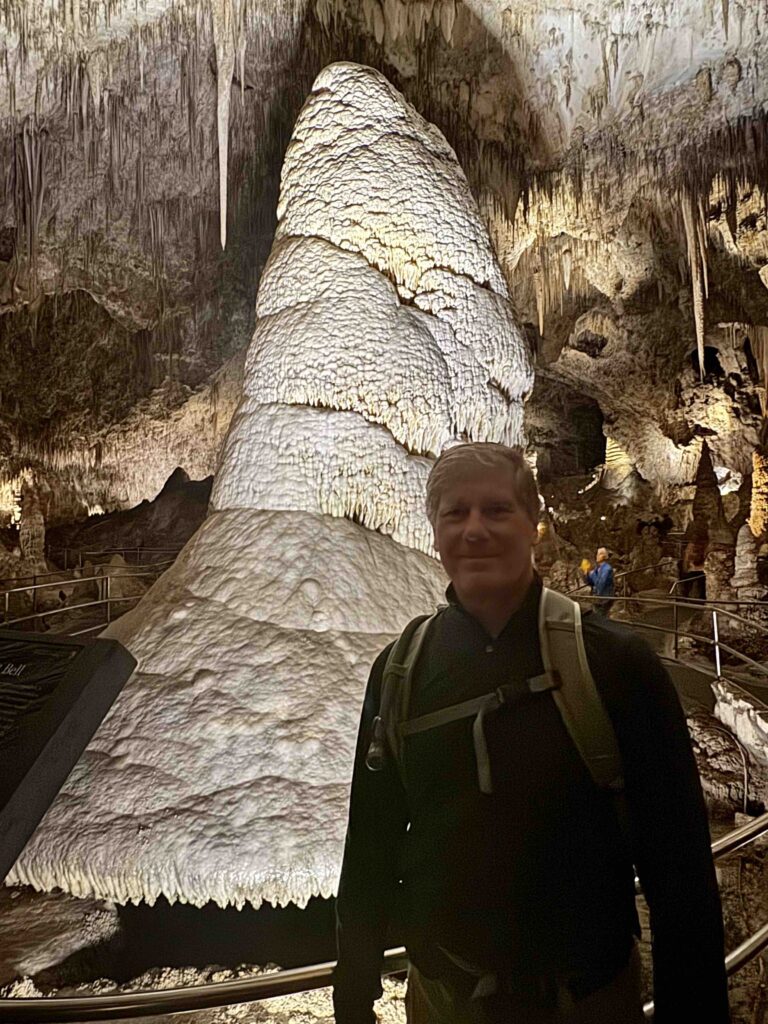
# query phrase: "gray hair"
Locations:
[[488, 455]]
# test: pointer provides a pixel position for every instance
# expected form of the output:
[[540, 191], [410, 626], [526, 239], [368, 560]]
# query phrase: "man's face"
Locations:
[[483, 535], [601, 555]]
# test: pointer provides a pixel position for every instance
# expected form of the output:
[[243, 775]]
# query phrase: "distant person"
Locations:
[[479, 835], [694, 579], [600, 581]]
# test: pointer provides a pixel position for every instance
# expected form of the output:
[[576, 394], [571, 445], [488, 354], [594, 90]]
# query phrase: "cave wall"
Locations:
[[618, 156]]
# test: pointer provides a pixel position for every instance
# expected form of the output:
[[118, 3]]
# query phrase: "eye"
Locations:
[[500, 510]]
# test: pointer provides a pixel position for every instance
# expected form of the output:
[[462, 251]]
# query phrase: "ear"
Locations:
[[536, 535]]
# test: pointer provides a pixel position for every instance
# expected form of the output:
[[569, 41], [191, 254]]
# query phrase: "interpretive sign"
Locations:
[[54, 693]]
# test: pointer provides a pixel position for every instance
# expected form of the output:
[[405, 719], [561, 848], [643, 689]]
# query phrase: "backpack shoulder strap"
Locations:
[[396, 683], [578, 701]]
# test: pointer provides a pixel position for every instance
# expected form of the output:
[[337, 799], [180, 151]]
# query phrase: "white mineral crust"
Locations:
[[38, 930], [384, 333]]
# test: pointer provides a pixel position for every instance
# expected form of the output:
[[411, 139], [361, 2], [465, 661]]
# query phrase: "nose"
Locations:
[[475, 528]]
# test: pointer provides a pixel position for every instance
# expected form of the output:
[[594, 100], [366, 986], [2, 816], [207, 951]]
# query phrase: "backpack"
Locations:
[[566, 675]]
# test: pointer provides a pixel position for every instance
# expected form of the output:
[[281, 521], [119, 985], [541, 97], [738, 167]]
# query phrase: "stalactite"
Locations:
[[738, 150], [447, 20], [140, 185], [224, 41], [566, 263], [140, 54], [697, 267], [701, 238], [30, 191], [157, 244], [242, 43], [115, 138], [538, 280]]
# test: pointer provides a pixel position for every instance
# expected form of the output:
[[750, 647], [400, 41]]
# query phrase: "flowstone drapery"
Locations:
[[384, 333]]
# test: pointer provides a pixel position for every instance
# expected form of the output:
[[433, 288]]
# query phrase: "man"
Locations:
[[518, 905], [600, 580]]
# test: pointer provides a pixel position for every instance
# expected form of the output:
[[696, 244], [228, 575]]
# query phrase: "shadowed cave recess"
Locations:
[[260, 263]]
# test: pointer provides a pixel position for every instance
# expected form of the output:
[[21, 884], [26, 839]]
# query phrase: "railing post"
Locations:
[[677, 638], [716, 635], [109, 606], [34, 595], [66, 559], [7, 606]]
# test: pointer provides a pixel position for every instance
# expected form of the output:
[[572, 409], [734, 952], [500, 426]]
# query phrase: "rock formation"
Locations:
[[384, 333], [617, 152], [32, 529], [38, 930]]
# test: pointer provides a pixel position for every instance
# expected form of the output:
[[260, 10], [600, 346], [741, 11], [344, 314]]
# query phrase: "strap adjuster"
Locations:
[[546, 681]]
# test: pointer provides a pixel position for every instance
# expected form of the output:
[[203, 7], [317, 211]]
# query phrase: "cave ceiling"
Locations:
[[617, 150]]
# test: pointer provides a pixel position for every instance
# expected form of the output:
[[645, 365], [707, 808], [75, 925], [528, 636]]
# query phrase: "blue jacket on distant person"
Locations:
[[600, 580]]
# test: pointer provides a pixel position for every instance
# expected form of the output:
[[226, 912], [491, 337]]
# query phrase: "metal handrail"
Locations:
[[740, 837], [644, 568], [114, 551], [734, 961], [150, 1002], [73, 608], [677, 584], [711, 606], [88, 552], [706, 601], [703, 602], [676, 632], [747, 950], [300, 979], [762, 669], [103, 580], [63, 576], [666, 600], [74, 580], [99, 626]]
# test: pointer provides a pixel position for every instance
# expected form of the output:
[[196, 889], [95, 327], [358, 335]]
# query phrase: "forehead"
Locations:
[[473, 483]]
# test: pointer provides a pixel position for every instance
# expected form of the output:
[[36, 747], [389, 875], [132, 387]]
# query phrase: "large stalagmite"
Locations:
[[384, 333]]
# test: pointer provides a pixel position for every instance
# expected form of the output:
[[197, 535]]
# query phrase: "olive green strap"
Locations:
[[576, 695], [397, 680], [479, 707]]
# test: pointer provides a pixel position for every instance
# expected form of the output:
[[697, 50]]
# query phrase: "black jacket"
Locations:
[[535, 878]]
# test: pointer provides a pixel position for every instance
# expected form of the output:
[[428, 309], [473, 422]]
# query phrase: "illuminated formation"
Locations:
[[617, 151], [384, 333]]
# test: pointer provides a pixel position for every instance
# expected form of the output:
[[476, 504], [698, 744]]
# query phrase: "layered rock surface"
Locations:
[[384, 333], [617, 150]]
